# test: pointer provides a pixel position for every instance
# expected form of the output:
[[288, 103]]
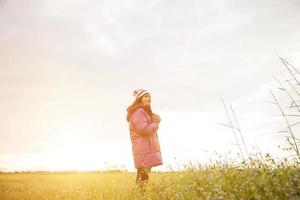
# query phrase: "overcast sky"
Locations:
[[69, 67]]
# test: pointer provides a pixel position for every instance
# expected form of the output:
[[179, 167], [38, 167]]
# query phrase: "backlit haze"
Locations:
[[68, 69]]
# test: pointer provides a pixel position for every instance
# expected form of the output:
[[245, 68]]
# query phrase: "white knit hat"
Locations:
[[139, 93]]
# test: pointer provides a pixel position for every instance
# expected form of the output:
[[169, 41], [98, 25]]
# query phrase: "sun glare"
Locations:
[[71, 150]]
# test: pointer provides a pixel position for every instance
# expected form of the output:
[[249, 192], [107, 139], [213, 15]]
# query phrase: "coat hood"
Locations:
[[131, 110]]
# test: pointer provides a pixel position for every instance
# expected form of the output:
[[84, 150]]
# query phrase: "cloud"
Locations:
[[61, 60]]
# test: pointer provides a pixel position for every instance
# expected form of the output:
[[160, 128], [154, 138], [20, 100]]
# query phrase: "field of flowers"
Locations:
[[254, 180]]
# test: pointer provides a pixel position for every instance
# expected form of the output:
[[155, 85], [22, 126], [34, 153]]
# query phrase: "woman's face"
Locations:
[[146, 99]]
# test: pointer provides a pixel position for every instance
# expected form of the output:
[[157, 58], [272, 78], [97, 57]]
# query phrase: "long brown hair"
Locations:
[[138, 104]]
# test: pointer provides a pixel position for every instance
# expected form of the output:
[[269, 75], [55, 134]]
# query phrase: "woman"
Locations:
[[143, 126]]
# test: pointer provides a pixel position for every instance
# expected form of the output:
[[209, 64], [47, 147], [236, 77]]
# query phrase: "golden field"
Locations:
[[255, 180]]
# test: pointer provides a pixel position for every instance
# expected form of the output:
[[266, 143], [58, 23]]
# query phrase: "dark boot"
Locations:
[[142, 178]]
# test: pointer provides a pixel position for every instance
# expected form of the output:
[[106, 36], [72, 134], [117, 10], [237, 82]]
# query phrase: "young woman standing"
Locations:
[[143, 126]]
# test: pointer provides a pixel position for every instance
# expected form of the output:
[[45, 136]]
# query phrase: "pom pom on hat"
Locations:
[[139, 93]]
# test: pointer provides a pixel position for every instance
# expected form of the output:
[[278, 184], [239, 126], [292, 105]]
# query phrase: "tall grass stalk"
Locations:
[[235, 127], [294, 97]]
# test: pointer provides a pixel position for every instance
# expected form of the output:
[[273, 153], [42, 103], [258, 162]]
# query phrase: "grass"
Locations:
[[253, 179]]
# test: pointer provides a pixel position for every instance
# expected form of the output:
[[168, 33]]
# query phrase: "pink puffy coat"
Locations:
[[144, 139]]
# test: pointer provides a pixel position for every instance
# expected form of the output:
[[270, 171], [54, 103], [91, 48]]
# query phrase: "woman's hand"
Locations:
[[156, 118]]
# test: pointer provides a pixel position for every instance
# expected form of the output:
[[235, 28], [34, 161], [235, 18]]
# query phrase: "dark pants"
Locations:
[[142, 177]]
